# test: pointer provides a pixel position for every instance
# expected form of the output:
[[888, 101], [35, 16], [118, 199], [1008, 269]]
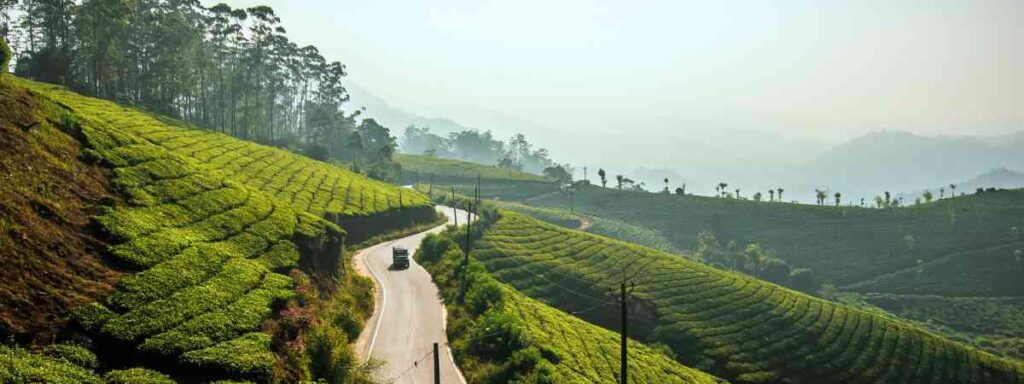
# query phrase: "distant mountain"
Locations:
[[1001, 177], [901, 161], [393, 117]]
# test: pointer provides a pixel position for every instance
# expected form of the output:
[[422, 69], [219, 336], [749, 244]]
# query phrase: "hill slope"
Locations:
[[47, 194], [840, 244], [495, 182], [731, 325], [501, 335], [208, 229]]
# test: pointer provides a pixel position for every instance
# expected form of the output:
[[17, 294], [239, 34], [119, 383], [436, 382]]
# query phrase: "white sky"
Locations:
[[827, 69]]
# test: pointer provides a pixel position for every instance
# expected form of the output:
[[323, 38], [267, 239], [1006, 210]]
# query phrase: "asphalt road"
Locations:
[[408, 318]]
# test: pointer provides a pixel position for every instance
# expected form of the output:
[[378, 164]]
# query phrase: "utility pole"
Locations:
[[469, 222], [437, 366], [455, 211], [624, 331], [571, 205], [430, 191]]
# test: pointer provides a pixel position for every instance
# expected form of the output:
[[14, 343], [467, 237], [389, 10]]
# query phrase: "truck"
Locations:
[[400, 257]]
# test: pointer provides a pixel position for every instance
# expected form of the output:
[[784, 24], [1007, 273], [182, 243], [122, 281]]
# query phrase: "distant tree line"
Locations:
[[482, 147], [230, 70]]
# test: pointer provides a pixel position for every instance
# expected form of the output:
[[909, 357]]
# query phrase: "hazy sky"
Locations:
[[822, 68]]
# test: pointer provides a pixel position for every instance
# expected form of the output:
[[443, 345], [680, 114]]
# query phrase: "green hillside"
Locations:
[[843, 244], [499, 335], [216, 236], [495, 182], [446, 170], [728, 324]]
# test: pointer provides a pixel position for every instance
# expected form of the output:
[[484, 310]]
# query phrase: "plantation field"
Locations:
[[995, 324], [728, 324], [308, 185], [843, 245], [420, 167], [209, 228], [498, 334], [986, 272]]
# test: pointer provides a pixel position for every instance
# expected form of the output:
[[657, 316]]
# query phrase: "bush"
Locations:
[[74, 354], [136, 376], [330, 358]]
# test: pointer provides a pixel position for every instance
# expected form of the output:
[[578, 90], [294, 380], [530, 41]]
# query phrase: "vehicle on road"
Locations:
[[400, 257]]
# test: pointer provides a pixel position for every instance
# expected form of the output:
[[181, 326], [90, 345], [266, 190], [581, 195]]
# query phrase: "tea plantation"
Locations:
[[210, 226], [728, 324], [843, 244], [499, 334]]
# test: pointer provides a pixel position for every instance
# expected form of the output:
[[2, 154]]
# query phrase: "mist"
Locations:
[[743, 91]]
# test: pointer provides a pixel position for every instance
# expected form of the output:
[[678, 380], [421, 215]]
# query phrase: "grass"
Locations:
[[208, 227], [500, 335], [728, 324], [843, 245]]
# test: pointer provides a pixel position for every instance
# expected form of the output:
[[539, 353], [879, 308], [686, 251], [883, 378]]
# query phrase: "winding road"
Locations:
[[408, 317]]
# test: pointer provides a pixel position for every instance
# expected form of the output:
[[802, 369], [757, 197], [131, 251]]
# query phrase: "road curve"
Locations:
[[408, 317]]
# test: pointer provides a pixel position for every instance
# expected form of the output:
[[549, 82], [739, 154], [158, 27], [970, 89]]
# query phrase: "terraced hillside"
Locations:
[[321, 189], [728, 324], [208, 230], [499, 183], [499, 334], [844, 245]]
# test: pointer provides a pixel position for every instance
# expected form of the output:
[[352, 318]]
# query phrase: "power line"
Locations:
[[541, 276], [415, 364]]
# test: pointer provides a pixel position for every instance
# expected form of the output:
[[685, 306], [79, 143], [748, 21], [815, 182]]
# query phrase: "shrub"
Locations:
[[137, 376], [19, 366], [74, 354], [330, 358]]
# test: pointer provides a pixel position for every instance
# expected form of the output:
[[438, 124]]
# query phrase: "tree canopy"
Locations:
[[234, 71]]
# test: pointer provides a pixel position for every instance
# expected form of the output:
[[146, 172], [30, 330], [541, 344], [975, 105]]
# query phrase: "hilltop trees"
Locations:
[[681, 190], [928, 196], [560, 172], [839, 197], [771, 195], [231, 70], [619, 179], [779, 192], [604, 180], [757, 196]]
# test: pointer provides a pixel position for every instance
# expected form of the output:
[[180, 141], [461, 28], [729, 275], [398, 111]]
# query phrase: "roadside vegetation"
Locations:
[[728, 324]]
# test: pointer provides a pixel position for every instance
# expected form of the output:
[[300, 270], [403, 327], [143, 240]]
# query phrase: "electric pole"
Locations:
[[455, 211], [430, 191], [469, 222], [623, 366], [437, 366]]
